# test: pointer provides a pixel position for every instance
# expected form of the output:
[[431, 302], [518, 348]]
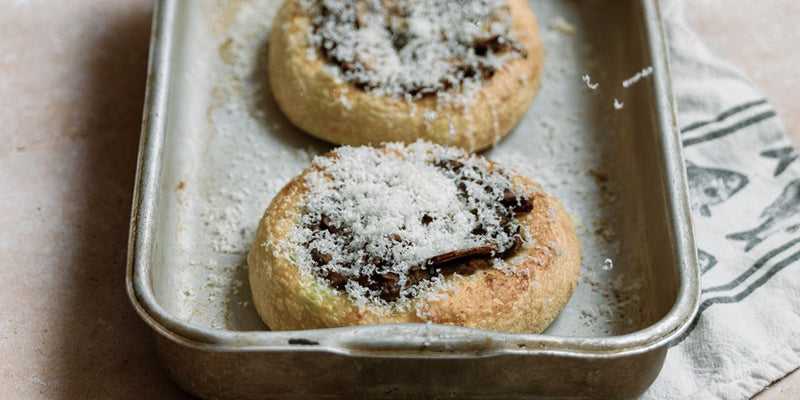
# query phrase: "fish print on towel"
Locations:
[[784, 155], [782, 215], [710, 186], [736, 288], [706, 261], [731, 121]]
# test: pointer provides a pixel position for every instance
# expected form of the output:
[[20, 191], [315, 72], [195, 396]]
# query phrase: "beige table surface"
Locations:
[[71, 85]]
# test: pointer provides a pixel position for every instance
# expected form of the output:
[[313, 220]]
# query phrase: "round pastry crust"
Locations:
[[524, 301], [340, 112]]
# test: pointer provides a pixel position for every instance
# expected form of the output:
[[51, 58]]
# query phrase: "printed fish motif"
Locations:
[[706, 261], [785, 155], [709, 186], [782, 215]]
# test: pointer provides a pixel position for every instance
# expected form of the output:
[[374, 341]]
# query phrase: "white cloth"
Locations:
[[745, 192]]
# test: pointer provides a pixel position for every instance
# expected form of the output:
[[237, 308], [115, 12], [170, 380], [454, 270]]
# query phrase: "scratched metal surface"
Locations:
[[216, 150]]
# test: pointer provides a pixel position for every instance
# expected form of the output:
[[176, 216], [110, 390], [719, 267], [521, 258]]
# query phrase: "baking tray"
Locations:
[[215, 149]]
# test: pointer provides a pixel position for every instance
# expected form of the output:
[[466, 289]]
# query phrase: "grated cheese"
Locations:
[[636, 78], [414, 47], [588, 81], [429, 115], [399, 207]]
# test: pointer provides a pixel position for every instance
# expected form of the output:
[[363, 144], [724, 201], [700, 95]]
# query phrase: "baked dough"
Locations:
[[310, 91], [523, 293]]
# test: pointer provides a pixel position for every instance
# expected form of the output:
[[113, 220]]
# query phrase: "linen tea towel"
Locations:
[[744, 182]]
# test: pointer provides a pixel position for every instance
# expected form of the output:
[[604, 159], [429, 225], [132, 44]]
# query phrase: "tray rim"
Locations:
[[450, 341]]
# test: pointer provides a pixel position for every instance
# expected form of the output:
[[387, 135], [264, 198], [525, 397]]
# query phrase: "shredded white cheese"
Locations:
[[636, 78], [397, 206], [588, 81], [429, 115], [415, 47]]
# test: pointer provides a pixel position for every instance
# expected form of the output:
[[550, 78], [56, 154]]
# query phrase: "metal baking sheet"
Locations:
[[600, 135]]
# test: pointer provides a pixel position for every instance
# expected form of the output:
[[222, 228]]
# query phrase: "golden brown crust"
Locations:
[[487, 299], [341, 113]]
